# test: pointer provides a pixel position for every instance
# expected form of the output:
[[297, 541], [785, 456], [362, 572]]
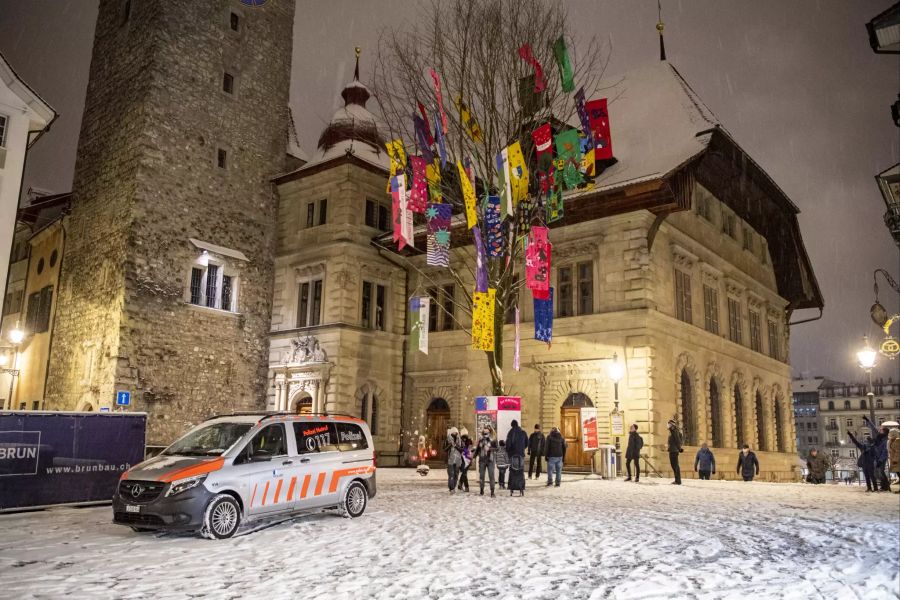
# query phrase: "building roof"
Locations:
[[884, 31], [43, 113]]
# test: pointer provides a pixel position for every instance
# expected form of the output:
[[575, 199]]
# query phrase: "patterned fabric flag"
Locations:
[[554, 206], [419, 309], [483, 320], [503, 182], [493, 222], [402, 216], [438, 234], [516, 352], [418, 196], [543, 318], [537, 262], [481, 274], [397, 154], [433, 175], [440, 100], [422, 137], [587, 155], [468, 192], [599, 118], [523, 216], [518, 174], [568, 151], [543, 145], [406, 223], [561, 54], [424, 114], [442, 146], [528, 56], [468, 121], [583, 117], [398, 190]]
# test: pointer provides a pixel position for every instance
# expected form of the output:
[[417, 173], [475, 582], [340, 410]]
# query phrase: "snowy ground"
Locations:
[[586, 539]]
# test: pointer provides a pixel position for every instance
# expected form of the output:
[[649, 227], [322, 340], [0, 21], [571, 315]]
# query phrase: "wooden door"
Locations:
[[570, 427], [436, 433]]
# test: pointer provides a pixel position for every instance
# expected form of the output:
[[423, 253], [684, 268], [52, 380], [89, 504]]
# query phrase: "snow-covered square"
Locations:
[[586, 539]]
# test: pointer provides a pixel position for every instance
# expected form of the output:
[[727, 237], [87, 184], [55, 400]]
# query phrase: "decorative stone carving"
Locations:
[[575, 249], [346, 280], [305, 349], [683, 257], [377, 271], [710, 274], [307, 271], [734, 287]]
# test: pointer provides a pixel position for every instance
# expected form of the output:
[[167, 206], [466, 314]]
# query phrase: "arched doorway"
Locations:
[[761, 423], [437, 420], [687, 409], [301, 404], [570, 427], [715, 414], [738, 417]]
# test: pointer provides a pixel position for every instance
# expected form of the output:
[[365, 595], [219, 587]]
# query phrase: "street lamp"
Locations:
[[16, 336], [616, 372], [866, 358]]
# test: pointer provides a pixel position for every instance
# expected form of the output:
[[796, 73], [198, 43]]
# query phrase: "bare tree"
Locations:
[[473, 45]]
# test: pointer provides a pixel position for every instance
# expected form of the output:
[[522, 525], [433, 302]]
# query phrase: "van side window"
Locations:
[[270, 441], [350, 437], [315, 437]]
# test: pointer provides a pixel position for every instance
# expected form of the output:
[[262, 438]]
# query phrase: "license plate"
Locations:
[[132, 508]]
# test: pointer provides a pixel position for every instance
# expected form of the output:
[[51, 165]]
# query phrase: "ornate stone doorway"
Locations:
[[301, 380], [301, 404], [570, 427], [437, 419]]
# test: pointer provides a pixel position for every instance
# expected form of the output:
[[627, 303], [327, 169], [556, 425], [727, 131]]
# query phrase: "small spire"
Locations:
[[356, 70], [659, 27]]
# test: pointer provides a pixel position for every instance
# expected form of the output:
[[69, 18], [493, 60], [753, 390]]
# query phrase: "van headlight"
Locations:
[[183, 485]]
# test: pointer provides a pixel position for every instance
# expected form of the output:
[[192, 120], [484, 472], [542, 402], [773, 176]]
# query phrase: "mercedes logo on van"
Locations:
[[137, 490]]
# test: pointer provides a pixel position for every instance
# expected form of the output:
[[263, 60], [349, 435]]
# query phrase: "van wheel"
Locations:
[[222, 517], [353, 504]]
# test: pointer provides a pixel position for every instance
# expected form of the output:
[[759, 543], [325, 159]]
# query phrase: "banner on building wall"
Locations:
[[590, 439], [419, 309], [503, 409]]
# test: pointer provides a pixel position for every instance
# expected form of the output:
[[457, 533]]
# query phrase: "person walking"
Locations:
[[466, 461], [880, 441], [453, 450], [866, 461], [502, 460], [516, 444], [817, 465], [674, 446], [748, 465], [633, 453], [894, 452], [485, 451], [555, 451], [535, 451], [704, 462]]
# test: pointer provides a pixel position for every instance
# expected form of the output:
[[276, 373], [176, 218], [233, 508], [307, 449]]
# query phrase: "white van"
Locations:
[[241, 467]]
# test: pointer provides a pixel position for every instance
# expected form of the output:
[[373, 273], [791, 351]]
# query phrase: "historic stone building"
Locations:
[[166, 289]]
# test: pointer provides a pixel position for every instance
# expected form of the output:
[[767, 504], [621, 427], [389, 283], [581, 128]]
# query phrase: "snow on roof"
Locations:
[[294, 149], [360, 150], [806, 385], [43, 113]]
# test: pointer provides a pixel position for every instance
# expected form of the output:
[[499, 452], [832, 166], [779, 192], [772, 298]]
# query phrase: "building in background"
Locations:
[[24, 117], [806, 394]]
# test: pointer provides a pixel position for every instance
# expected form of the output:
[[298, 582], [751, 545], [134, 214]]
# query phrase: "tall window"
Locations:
[[687, 409], [37, 314], [728, 225], [228, 83], [735, 330], [323, 211], [222, 158], [440, 315], [575, 289], [4, 125], [780, 445], [368, 411], [309, 303], [227, 292], [774, 345], [234, 21], [761, 423], [211, 287], [212, 280], [311, 214], [748, 238], [378, 215], [738, 416], [846, 405], [196, 282], [373, 306], [683, 296], [13, 302], [755, 334], [863, 404], [715, 414], [711, 309], [703, 208]]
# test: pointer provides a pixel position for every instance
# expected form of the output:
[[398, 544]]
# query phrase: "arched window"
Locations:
[[687, 409], [831, 405], [779, 433], [862, 404], [846, 405], [577, 400], [738, 417], [368, 409], [438, 404], [715, 420], [302, 404], [761, 423]]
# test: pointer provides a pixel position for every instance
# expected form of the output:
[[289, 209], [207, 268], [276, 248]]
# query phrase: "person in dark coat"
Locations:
[[748, 465], [453, 449], [674, 446], [484, 452], [516, 444], [880, 442], [866, 461], [705, 462], [633, 453], [466, 461], [817, 465], [535, 451], [555, 451]]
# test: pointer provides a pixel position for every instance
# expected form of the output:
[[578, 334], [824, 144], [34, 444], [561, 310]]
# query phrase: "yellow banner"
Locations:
[[433, 176], [518, 173], [483, 320], [468, 196], [397, 153], [468, 121]]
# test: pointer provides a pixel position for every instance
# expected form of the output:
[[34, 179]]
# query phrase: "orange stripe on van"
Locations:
[[337, 475], [278, 490], [320, 484], [305, 487], [253, 497], [291, 488], [199, 469], [265, 493]]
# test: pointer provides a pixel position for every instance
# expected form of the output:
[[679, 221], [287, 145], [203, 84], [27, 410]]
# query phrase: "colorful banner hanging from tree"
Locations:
[[483, 320], [543, 318], [543, 146], [440, 100], [481, 274], [419, 309], [587, 155], [397, 154], [433, 175], [418, 195], [583, 117], [504, 184], [599, 118], [402, 216], [493, 223], [437, 229], [441, 144], [568, 163], [540, 84], [561, 54], [468, 192], [424, 114], [554, 202], [523, 216], [422, 137], [516, 351], [518, 174], [537, 262], [468, 120]]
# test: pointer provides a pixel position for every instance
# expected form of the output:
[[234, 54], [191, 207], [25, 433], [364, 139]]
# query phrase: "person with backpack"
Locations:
[[674, 446], [555, 451], [633, 453], [748, 465], [484, 452], [535, 451], [453, 450], [516, 444], [705, 461]]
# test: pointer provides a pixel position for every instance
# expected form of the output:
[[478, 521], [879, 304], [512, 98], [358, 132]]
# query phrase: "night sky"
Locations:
[[796, 83]]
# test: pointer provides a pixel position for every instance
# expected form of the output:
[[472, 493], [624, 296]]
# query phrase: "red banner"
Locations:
[[599, 119]]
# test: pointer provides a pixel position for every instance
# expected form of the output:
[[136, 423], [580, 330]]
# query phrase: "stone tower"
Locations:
[[166, 287]]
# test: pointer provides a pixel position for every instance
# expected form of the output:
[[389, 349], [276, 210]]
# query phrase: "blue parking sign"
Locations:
[[123, 398]]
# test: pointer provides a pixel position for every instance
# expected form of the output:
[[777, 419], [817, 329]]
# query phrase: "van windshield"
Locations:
[[213, 440]]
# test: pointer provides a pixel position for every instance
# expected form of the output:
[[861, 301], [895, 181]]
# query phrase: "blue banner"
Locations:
[[543, 318], [58, 458]]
